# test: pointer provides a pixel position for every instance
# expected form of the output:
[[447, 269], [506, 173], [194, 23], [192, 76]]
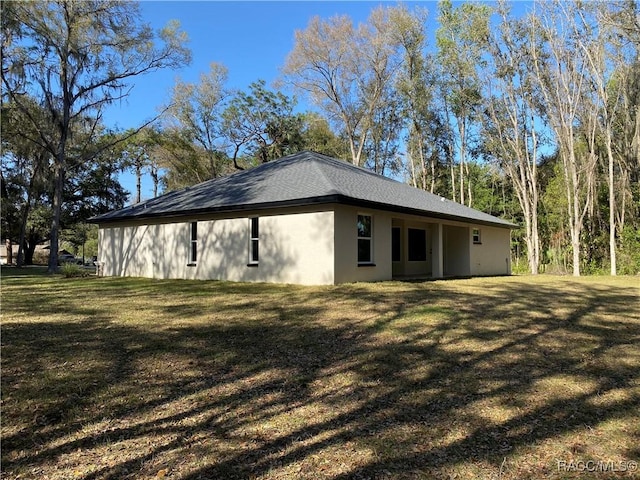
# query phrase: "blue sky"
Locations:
[[251, 38]]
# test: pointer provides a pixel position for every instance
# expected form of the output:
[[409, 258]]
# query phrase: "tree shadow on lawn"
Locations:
[[357, 381]]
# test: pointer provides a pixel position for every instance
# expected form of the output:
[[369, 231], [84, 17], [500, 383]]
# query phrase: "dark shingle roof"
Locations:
[[304, 178]]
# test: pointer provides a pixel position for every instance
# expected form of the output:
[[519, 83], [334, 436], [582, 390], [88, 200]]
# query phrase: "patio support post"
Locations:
[[436, 251]]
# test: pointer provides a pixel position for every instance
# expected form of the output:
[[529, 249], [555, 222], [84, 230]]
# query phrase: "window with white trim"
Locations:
[[476, 236], [365, 239], [254, 241], [193, 244]]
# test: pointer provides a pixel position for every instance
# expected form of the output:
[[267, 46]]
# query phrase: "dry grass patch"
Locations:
[[108, 378]]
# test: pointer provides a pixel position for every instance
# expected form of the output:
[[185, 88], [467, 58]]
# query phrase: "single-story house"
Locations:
[[303, 219]]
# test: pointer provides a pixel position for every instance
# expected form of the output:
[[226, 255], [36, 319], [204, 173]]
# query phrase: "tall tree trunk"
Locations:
[[138, 181], [462, 132], [612, 207], [432, 164], [451, 148], [532, 169], [9, 247], [4, 195], [469, 183], [535, 235], [575, 226], [54, 243], [352, 147], [29, 248], [423, 164], [23, 230], [452, 171], [155, 179], [412, 166]]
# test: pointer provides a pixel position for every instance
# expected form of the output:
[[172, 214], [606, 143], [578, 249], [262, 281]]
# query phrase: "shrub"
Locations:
[[628, 258], [520, 265], [71, 270], [41, 257]]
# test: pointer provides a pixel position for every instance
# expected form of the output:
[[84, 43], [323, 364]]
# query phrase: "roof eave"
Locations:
[[246, 207], [424, 213], [321, 200]]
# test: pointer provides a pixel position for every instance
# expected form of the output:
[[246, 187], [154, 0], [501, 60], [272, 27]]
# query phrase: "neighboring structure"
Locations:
[[303, 219], [40, 254], [6, 251]]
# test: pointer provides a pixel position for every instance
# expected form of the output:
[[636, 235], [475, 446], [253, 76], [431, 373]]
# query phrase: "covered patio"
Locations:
[[426, 248]]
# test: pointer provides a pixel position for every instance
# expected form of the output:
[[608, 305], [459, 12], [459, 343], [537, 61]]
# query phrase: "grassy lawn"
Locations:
[[110, 378]]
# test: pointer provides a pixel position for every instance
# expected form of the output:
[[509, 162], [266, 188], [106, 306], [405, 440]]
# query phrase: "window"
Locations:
[[476, 236], [417, 245], [193, 245], [364, 239], [254, 239]]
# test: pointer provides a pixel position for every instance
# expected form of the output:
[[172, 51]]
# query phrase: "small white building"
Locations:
[[303, 219]]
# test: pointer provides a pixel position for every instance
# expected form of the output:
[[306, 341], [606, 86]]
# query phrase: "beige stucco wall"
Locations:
[[492, 255], [456, 255], [305, 245], [346, 241], [294, 248]]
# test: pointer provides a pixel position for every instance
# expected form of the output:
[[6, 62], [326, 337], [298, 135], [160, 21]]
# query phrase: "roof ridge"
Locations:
[[300, 178], [318, 167]]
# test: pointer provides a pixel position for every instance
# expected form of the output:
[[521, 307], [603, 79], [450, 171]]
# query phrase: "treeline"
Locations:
[[530, 115]]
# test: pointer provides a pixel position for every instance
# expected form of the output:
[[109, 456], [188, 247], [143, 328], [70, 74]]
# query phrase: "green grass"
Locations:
[[111, 378]]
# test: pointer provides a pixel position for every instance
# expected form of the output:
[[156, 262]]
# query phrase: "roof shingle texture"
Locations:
[[301, 179]]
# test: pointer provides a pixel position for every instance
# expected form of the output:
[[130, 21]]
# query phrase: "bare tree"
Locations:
[[560, 66], [608, 57], [510, 130], [345, 71], [462, 41], [416, 88], [627, 147], [196, 109]]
